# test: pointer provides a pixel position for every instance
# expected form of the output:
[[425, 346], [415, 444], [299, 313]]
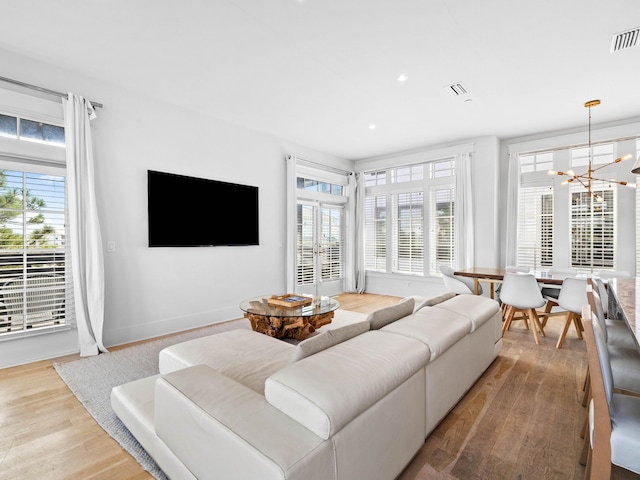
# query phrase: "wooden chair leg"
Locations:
[[536, 319], [578, 324], [563, 335], [547, 310], [508, 319], [535, 324]]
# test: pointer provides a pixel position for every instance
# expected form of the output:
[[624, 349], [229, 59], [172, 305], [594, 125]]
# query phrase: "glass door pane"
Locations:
[[319, 249]]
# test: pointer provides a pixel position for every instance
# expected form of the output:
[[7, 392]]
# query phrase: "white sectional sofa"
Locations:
[[354, 402]]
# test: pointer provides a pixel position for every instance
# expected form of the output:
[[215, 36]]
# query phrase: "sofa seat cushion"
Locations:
[[475, 307], [439, 329], [246, 356], [325, 391], [133, 403], [384, 316]]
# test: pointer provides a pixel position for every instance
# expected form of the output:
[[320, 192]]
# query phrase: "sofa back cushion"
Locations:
[[476, 308], [387, 315], [324, 392], [327, 339], [439, 329], [430, 302]]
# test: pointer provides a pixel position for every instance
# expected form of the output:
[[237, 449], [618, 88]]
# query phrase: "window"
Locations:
[[408, 174], [535, 227], [593, 228], [31, 131], [536, 162], [312, 185], [398, 213], [331, 243], [442, 228], [408, 232], [321, 199], [319, 243], [376, 233], [602, 154], [34, 286], [560, 225], [32, 251]]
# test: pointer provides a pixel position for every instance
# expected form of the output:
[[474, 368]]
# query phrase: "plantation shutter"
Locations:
[[331, 242], [305, 245], [535, 227], [409, 232], [33, 280], [593, 227], [442, 228], [376, 233]]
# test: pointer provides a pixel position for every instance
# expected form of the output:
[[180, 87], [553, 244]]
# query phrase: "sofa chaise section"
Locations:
[[218, 428]]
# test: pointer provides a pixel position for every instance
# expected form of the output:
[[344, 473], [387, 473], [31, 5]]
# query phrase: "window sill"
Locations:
[[31, 332]]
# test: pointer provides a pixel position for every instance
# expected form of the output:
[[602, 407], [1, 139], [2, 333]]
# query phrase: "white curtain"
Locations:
[[87, 263], [511, 221], [354, 265], [291, 224], [463, 220]]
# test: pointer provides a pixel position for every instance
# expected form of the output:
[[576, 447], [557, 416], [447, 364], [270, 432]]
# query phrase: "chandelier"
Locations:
[[586, 179]]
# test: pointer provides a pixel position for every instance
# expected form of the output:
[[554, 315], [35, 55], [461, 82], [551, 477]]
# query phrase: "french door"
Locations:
[[319, 248]]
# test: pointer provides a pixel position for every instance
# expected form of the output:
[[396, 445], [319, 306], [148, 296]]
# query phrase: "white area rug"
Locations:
[[91, 380]]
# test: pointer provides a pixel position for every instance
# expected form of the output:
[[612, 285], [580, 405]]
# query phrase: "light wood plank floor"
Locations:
[[521, 420]]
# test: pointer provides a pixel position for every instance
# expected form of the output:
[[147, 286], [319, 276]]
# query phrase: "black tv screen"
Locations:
[[197, 212]]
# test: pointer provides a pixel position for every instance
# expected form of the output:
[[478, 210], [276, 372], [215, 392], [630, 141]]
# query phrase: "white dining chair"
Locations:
[[457, 283], [604, 276], [613, 418], [623, 352], [573, 295], [521, 294], [617, 332], [550, 291], [510, 269]]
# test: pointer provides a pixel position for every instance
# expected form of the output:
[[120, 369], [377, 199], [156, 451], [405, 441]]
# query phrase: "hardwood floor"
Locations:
[[521, 420]]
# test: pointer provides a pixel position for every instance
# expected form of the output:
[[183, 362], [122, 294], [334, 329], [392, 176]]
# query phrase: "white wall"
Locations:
[[154, 291]]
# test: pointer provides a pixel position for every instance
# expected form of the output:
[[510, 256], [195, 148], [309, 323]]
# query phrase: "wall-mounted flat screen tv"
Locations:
[[198, 212]]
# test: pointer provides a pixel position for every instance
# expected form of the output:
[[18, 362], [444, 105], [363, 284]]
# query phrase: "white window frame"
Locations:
[[390, 189], [322, 200], [624, 139], [40, 158]]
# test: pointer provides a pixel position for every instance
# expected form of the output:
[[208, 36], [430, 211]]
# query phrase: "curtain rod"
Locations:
[[43, 90]]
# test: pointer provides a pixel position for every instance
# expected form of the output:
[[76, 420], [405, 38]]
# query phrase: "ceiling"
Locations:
[[320, 72]]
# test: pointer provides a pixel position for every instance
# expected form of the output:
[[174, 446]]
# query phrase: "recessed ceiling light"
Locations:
[[402, 78], [372, 126]]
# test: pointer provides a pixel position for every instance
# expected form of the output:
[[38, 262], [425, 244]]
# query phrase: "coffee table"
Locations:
[[288, 322]]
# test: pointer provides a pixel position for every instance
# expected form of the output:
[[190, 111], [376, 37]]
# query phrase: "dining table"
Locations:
[[624, 302], [496, 275]]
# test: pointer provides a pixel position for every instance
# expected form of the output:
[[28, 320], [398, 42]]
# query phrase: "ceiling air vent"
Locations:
[[623, 40], [457, 89]]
